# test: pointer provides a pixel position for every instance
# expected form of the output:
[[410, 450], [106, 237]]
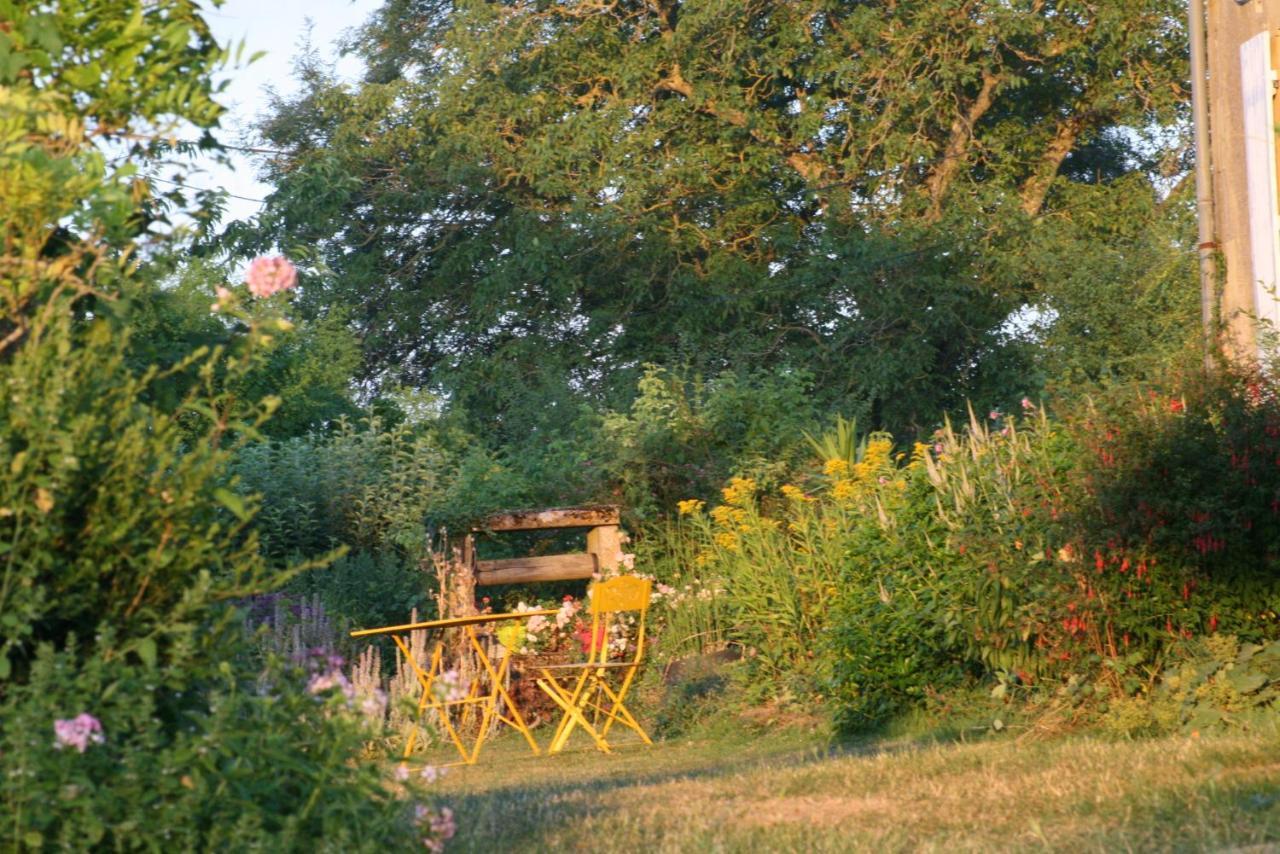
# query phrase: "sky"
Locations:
[[279, 28]]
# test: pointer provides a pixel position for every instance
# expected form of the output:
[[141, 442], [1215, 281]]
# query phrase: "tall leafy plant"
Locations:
[[128, 716]]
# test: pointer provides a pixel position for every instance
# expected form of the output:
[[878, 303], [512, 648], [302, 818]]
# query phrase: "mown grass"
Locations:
[[792, 792]]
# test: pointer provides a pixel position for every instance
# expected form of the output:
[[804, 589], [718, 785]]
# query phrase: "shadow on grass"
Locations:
[[558, 792], [584, 799]]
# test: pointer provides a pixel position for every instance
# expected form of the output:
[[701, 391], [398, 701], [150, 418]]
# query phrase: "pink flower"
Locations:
[[267, 276], [78, 732], [1027, 404], [327, 681], [451, 686], [224, 297], [994, 415], [440, 825]]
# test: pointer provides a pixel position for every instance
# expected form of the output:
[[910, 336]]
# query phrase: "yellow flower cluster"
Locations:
[[794, 493], [836, 467], [875, 460], [849, 485], [740, 491], [727, 516], [845, 490], [918, 453], [690, 506]]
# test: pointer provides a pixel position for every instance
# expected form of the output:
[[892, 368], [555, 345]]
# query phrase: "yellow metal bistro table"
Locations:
[[475, 695]]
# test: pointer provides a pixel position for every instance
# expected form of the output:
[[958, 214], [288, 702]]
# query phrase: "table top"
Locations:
[[453, 622]]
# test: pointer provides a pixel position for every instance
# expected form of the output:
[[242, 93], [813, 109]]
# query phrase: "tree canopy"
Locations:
[[523, 203]]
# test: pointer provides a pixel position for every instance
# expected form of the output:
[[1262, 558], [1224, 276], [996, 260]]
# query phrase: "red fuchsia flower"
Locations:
[[270, 275], [78, 732], [590, 645]]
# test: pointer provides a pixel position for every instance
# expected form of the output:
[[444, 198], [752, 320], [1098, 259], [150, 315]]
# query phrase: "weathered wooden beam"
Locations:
[[555, 517], [522, 570]]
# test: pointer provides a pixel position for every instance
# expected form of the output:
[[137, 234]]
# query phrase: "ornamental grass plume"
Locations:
[[270, 275]]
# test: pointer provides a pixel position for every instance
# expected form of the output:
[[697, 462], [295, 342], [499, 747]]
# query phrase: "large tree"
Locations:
[[527, 201]]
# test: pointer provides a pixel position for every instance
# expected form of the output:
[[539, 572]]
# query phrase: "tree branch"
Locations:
[[960, 137], [1037, 186]]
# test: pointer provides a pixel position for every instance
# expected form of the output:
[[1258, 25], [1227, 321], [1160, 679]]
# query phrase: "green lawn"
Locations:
[[761, 792]]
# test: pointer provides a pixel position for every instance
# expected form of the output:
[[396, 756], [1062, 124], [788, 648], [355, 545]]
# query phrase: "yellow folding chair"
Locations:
[[583, 691]]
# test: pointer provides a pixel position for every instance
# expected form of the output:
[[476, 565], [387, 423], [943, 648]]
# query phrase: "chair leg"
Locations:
[[571, 705], [566, 721], [619, 712]]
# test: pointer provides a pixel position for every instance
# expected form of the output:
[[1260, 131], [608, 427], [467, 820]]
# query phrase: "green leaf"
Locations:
[[146, 650], [1248, 651], [232, 502], [1247, 681]]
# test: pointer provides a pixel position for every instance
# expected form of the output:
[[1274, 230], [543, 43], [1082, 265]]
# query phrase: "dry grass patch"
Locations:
[[789, 793]]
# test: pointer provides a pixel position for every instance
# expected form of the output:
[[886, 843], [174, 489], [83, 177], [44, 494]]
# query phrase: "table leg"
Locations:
[[427, 679], [491, 709]]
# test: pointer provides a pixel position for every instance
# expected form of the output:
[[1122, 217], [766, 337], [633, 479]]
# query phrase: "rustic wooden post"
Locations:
[[604, 542]]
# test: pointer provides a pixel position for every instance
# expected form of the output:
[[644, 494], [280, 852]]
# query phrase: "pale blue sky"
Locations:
[[277, 27]]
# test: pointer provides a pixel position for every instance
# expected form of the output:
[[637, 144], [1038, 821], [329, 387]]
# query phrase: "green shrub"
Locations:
[[775, 564], [130, 717], [123, 549], [366, 486], [1039, 550], [1186, 474], [683, 438], [1089, 547], [192, 756], [367, 589]]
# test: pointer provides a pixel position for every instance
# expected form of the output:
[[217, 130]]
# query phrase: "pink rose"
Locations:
[[267, 276]]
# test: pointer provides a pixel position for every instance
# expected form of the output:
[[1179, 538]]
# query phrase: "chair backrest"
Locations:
[[624, 593], [612, 597]]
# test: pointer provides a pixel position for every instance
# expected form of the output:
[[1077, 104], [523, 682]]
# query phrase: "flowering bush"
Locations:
[[1089, 547], [271, 756], [132, 715]]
